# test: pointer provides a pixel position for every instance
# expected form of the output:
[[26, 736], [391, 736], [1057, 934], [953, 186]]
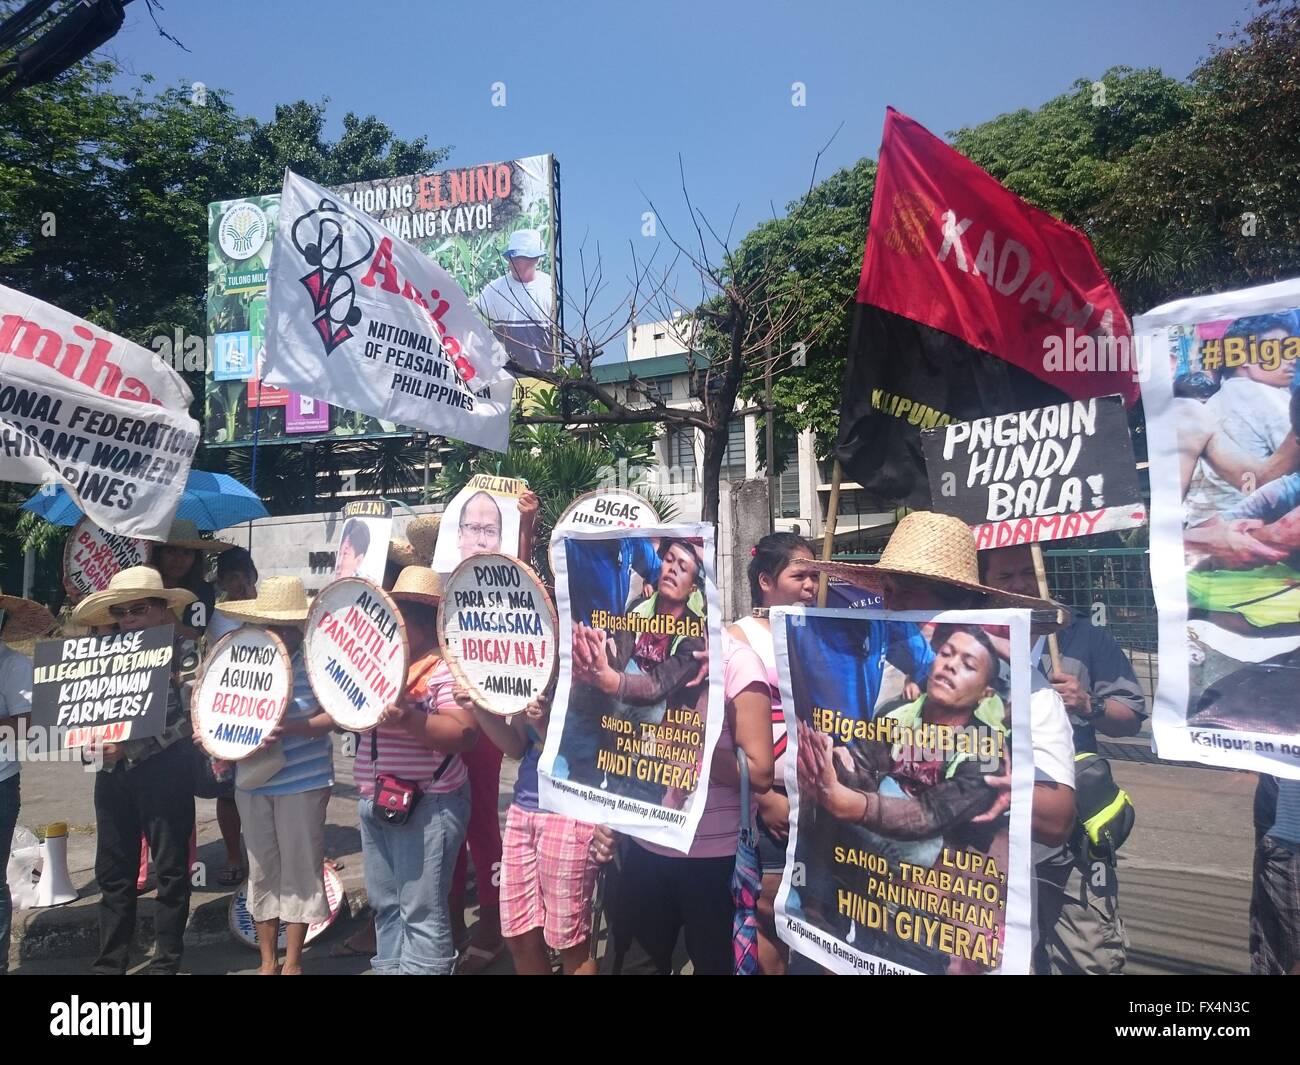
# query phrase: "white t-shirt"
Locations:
[[1053, 740], [15, 695], [220, 625], [507, 299], [1254, 416], [521, 315]]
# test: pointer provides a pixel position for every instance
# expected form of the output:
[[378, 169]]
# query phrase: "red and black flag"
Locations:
[[971, 303]]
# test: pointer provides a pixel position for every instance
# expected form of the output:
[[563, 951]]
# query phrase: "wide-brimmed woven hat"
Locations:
[[280, 601], [23, 618], [416, 548], [126, 586], [184, 533], [418, 584], [940, 549]]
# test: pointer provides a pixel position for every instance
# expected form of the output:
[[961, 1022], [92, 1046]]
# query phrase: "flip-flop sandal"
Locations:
[[474, 960], [230, 876]]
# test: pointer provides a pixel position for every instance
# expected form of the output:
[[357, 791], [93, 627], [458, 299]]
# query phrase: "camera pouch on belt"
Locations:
[[1106, 812]]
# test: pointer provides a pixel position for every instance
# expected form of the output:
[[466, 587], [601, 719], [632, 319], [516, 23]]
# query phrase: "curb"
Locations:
[[72, 931]]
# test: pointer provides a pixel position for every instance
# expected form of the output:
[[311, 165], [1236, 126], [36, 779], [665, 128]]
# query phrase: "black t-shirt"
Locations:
[[1090, 653]]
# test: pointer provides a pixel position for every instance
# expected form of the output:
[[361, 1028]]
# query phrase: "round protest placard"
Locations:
[[603, 508], [243, 692], [497, 631], [356, 652], [91, 556], [244, 928]]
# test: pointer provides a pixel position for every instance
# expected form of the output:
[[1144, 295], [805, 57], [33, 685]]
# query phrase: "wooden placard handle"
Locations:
[[1040, 571]]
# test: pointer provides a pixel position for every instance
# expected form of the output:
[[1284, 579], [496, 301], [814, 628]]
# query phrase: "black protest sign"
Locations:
[[1042, 474], [109, 688]]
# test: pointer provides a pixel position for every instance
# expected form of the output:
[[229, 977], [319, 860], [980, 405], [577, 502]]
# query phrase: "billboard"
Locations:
[[464, 218]]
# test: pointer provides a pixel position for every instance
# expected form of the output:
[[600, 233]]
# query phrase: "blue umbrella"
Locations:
[[210, 500]]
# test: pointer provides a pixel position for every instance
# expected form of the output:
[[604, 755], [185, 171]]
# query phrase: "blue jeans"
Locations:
[[408, 878], [8, 819]]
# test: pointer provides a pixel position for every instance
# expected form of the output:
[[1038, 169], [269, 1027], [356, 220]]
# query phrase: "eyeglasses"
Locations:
[[488, 531], [137, 611]]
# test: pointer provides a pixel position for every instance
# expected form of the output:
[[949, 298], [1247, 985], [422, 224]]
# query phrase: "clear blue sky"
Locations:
[[616, 89]]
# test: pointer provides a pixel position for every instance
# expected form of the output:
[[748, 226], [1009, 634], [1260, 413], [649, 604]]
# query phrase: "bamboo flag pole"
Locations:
[[1040, 571], [828, 540]]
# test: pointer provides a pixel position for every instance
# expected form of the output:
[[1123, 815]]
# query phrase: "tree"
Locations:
[[1214, 203], [1182, 187], [740, 315], [103, 210]]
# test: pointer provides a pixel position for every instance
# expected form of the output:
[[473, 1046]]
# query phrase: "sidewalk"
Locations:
[[65, 792], [1184, 875]]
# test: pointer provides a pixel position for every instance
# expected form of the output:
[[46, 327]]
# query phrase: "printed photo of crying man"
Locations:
[[640, 658]]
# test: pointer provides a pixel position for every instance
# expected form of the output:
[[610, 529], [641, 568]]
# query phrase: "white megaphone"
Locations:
[[55, 887]]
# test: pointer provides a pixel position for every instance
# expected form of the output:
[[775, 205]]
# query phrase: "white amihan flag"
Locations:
[[361, 319]]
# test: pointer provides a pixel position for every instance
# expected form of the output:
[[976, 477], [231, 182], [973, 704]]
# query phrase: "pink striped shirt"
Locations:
[[429, 683]]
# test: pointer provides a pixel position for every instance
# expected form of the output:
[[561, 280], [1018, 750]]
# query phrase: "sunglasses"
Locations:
[[137, 611]]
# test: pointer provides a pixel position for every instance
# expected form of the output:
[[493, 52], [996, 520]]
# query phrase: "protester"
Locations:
[[777, 577], [20, 619], [930, 563], [236, 580], [662, 894], [1079, 927], [1275, 891], [414, 549], [417, 749], [143, 788], [182, 564], [483, 840], [549, 862], [283, 790]]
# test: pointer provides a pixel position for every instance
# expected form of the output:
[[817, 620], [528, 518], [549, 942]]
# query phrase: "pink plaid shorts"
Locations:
[[548, 875]]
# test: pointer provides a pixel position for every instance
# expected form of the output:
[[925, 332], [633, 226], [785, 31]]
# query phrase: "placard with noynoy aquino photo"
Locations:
[[1223, 414], [638, 709], [910, 776]]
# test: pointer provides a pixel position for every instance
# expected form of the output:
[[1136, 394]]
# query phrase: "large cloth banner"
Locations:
[[358, 318], [638, 709], [971, 303], [903, 857], [82, 406], [1222, 410]]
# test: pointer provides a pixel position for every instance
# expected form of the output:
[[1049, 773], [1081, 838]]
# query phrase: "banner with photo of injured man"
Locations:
[[638, 708], [910, 776], [1222, 411]]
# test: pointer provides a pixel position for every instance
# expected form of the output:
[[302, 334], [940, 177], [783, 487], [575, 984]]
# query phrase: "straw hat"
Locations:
[[416, 548], [418, 584], [184, 533], [940, 549], [280, 601], [126, 586], [23, 619]]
